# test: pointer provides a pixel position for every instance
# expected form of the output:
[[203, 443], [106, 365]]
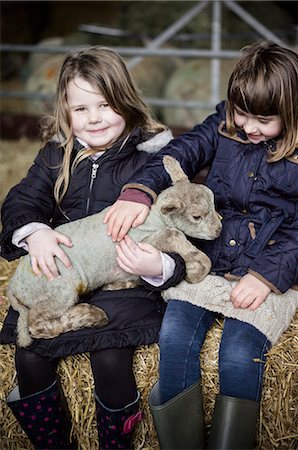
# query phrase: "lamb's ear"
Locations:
[[172, 205], [173, 168]]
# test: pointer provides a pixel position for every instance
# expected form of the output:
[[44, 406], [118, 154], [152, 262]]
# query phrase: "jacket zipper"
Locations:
[[95, 167], [93, 176]]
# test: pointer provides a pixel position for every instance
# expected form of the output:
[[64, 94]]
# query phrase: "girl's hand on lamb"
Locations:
[[139, 259], [249, 293], [43, 247], [122, 216]]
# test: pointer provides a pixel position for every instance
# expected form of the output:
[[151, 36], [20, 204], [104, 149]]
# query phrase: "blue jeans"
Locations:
[[182, 335]]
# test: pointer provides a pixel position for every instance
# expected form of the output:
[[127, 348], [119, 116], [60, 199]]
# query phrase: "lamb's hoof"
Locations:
[[194, 279], [92, 316], [100, 316], [195, 272]]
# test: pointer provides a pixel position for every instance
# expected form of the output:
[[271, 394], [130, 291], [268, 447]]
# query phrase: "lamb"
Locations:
[[49, 308]]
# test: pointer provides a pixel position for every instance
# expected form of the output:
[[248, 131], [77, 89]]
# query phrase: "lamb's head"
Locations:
[[187, 206]]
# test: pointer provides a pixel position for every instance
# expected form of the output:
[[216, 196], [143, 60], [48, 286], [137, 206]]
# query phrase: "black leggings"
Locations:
[[114, 380]]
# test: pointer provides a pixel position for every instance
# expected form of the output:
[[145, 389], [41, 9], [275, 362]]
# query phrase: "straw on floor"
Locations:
[[277, 426]]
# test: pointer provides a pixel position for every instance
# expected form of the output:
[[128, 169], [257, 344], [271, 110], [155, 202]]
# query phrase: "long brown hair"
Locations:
[[265, 82], [106, 71]]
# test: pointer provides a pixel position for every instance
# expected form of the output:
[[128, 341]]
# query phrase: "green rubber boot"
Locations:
[[180, 421], [234, 424]]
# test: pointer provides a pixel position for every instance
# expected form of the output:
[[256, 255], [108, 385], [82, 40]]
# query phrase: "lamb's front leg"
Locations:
[[197, 264]]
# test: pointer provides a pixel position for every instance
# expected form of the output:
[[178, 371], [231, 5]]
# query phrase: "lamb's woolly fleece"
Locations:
[[93, 254]]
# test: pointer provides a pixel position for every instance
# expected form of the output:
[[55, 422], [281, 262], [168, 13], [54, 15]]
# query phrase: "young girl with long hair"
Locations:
[[251, 146], [100, 134]]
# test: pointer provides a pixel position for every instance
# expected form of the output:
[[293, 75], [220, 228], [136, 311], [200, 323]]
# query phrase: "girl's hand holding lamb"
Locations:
[[139, 259], [122, 216], [249, 293], [43, 246]]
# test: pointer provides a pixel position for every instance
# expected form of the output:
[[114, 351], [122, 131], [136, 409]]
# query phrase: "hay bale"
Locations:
[[192, 82], [151, 76], [278, 418], [43, 80], [16, 156]]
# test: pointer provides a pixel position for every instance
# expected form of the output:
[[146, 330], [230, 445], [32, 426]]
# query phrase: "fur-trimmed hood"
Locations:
[[152, 145], [156, 143]]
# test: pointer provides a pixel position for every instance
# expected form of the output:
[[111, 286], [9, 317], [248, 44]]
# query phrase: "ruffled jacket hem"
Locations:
[[118, 339]]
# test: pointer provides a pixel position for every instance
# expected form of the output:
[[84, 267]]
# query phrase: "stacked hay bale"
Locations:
[[16, 156], [278, 418], [191, 82]]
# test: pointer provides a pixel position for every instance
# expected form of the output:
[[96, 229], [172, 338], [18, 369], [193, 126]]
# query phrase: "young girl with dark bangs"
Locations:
[[251, 146], [101, 133]]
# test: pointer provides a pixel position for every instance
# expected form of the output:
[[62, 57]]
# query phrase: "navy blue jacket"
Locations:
[[257, 200]]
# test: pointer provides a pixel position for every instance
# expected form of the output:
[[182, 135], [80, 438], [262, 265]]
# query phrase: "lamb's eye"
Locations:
[[197, 217]]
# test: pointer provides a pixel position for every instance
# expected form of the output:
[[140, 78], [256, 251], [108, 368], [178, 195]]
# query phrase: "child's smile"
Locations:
[[258, 128], [93, 120]]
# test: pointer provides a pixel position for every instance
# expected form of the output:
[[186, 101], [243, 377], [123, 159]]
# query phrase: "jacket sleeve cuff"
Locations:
[[20, 234], [168, 266], [140, 187], [264, 280], [134, 195], [178, 275]]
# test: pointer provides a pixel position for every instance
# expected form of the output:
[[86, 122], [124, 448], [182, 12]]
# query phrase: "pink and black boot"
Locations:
[[43, 417], [115, 426]]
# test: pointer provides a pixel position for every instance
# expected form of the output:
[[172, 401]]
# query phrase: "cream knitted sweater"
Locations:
[[272, 318]]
